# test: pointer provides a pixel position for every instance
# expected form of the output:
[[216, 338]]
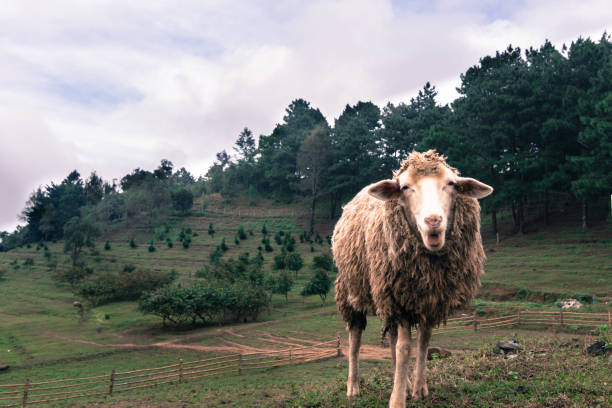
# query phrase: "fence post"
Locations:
[[289, 355], [519, 317], [475, 322], [338, 345], [561, 316], [111, 383], [609, 320], [240, 364], [26, 387], [181, 370]]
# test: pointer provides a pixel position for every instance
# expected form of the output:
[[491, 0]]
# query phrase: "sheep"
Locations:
[[408, 250]]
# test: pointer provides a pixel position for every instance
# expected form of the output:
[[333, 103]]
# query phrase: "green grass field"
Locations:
[[43, 337]]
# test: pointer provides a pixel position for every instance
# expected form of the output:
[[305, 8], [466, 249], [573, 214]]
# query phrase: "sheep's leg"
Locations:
[[352, 385], [392, 342], [400, 380], [420, 382]]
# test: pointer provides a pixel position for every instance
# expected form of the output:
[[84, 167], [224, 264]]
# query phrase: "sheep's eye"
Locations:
[[405, 187], [452, 183]]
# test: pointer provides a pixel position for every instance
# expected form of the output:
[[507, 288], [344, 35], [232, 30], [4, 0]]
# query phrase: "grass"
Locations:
[[43, 337]]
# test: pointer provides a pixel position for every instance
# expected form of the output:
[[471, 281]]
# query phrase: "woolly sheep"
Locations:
[[408, 250]]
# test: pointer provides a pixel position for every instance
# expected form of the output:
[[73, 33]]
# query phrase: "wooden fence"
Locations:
[[32, 393], [44, 392], [527, 318]]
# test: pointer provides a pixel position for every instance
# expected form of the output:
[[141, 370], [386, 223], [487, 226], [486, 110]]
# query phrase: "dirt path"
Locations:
[[230, 342]]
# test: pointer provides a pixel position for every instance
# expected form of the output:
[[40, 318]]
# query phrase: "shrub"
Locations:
[[151, 246], [169, 243], [28, 262], [236, 240], [318, 239], [289, 243], [241, 233], [211, 230], [277, 238], [107, 246], [128, 268], [223, 245], [133, 243], [264, 230], [209, 301], [186, 241], [279, 262], [215, 256], [107, 287]]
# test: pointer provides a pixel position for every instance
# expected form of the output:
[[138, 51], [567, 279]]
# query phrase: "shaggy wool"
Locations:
[[385, 269]]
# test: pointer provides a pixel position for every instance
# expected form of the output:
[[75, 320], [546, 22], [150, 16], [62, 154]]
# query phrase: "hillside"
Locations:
[[43, 336]]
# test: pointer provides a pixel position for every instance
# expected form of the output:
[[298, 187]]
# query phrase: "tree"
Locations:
[[245, 146], [79, 233], [182, 200], [164, 171], [320, 284], [276, 166], [294, 262], [312, 163], [283, 285], [354, 161]]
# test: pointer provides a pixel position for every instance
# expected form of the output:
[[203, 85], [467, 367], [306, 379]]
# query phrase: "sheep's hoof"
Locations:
[[420, 391], [397, 402], [352, 389]]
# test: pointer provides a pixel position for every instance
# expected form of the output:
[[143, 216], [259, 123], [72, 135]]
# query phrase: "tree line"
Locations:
[[532, 124]]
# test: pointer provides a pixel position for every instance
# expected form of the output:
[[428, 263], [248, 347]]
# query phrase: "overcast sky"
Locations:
[[114, 85]]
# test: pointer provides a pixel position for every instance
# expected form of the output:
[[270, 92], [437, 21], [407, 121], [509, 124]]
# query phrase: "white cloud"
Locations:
[[111, 85]]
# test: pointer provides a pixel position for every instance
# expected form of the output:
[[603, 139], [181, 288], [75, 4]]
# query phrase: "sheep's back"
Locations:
[[360, 219]]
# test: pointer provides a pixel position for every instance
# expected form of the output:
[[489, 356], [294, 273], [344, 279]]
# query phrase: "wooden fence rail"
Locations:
[[33, 393]]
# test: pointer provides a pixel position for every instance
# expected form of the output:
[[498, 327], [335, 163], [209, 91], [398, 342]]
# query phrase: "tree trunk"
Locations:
[[546, 208], [312, 214], [521, 216], [584, 214], [494, 221]]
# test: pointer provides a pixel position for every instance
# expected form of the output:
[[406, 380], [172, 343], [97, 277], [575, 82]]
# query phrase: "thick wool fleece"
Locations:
[[385, 269]]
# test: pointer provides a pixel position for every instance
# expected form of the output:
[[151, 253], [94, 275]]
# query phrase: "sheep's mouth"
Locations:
[[434, 239]]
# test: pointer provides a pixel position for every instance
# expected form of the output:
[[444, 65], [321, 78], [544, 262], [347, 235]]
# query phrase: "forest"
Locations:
[[534, 124]]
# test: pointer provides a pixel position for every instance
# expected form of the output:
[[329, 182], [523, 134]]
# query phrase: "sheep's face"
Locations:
[[428, 198]]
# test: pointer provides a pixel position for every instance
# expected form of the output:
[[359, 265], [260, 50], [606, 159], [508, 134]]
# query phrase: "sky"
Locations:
[[111, 85]]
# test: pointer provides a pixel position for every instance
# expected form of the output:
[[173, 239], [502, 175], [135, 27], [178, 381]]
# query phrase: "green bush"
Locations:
[[108, 287], [169, 243], [186, 241], [206, 301], [133, 243], [215, 256], [151, 246], [277, 238], [223, 245], [107, 246], [241, 233]]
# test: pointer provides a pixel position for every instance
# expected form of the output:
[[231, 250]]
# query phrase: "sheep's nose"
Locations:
[[433, 221]]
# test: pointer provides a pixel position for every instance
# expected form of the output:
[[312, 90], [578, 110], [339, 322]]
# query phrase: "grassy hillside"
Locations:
[[43, 337]]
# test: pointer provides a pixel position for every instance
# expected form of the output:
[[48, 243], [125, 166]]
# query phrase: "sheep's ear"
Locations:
[[385, 190], [473, 188]]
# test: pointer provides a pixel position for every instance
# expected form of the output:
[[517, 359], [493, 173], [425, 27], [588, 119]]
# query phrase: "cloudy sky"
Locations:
[[110, 85]]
